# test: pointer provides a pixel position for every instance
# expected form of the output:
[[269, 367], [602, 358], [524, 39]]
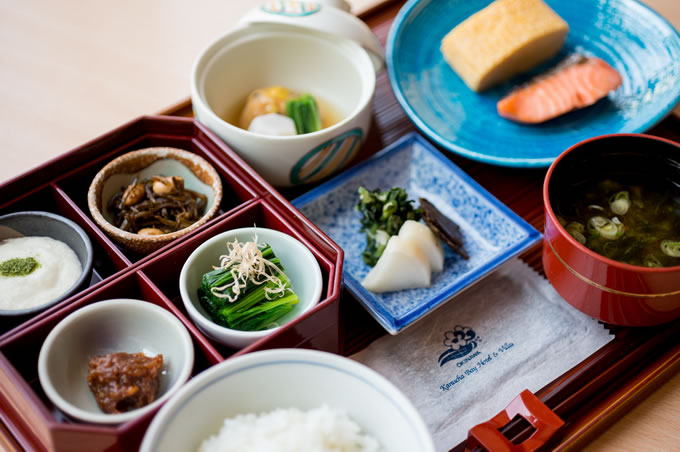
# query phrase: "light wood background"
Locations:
[[71, 70]]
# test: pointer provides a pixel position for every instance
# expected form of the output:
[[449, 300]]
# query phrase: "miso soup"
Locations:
[[638, 224]]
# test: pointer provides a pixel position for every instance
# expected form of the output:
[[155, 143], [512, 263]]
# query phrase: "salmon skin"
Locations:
[[576, 82]]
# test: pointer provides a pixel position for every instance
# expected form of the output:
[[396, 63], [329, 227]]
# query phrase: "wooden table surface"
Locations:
[[72, 70]]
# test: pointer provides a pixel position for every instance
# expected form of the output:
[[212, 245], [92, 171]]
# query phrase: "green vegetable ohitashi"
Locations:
[[249, 291], [383, 215]]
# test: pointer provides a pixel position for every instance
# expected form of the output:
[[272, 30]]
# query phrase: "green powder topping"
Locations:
[[19, 266]]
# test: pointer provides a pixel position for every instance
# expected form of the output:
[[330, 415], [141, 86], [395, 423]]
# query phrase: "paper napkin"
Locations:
[[466, 361]]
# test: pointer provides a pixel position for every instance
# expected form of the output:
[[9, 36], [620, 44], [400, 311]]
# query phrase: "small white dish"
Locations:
[[298, 262], [119, 325], [287, 378]]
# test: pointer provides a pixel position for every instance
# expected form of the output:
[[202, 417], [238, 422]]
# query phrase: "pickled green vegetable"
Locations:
[[383, 213]]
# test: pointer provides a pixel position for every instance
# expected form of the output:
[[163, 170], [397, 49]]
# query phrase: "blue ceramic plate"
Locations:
[[492, 232], [635, 40]]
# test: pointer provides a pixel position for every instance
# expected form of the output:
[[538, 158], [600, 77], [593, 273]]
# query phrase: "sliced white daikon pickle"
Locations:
[[402, 266], [273, 124], [426, 240]]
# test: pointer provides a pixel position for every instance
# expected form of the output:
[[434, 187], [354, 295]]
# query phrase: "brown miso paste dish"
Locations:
[[122, 382]]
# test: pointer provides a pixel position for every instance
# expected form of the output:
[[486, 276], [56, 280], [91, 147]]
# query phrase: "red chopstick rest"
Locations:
[[488, 436]]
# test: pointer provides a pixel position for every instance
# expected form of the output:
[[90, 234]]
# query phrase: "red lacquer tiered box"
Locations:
[[60, 186]]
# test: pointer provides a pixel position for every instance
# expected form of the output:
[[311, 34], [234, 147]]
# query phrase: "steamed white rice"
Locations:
[[291, 430]]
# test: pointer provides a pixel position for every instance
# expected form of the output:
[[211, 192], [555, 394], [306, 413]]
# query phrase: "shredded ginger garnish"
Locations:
[[247, 264]]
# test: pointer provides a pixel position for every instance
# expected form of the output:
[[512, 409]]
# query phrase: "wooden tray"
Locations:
[[603, 387], [592, 395]]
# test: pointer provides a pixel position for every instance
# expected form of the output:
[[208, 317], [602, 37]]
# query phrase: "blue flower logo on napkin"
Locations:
[[461, 341]]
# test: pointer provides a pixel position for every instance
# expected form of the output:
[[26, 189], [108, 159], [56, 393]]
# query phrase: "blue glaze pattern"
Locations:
[[492, 232], [635, 40]]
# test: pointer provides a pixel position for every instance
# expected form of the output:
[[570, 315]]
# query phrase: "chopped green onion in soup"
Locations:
[[670, 248], [635, 221], [651, 261], [619, 203], [576, 230], [606, 228]]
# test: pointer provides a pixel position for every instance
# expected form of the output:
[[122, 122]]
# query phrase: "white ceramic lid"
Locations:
[[327, 16]]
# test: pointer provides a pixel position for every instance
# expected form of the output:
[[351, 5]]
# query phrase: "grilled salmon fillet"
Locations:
[[576, 83]]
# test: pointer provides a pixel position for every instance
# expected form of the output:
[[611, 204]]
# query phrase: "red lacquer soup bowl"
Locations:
[[609, 290]]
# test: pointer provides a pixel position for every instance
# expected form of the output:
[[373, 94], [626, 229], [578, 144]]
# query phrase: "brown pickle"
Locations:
[[444, 227], [159, 205]]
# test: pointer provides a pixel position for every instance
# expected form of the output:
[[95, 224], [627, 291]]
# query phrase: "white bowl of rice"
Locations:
[[288, 400]]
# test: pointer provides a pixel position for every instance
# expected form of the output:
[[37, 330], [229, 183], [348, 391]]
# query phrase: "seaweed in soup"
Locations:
[[631, 221]]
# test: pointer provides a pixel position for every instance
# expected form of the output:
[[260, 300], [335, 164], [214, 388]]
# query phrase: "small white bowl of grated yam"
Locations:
[[288, 400]]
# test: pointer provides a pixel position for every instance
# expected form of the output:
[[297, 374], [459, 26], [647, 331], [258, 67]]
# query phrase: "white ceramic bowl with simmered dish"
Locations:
[[111, 326], [133, 167], [264, 381], [336, 71], [299, 265]]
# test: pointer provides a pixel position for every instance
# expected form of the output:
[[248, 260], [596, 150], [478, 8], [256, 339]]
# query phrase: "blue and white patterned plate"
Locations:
[[635, 40], [492, 232]]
